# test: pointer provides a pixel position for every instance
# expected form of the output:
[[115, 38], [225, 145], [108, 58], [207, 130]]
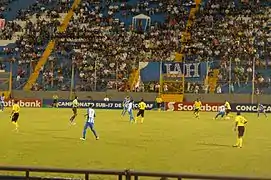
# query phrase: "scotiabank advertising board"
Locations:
[[213, 107], [183, 106], [26, 103]]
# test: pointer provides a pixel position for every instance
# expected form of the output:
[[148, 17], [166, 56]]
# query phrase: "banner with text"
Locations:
[[62, 103], [26, 103], [150, 71], [213, 107]]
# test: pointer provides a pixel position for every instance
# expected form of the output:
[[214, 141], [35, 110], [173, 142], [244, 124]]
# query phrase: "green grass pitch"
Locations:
[[167, 141]]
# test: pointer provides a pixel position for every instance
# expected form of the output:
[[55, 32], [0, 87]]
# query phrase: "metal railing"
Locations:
[[121, 175]]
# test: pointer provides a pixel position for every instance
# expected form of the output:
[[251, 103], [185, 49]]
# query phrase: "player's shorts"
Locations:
[[15, 117], [261, 110], [54, 101], [158, 105], [140, 113], [228, 111], [74, 110], [196, 110], [241, 131], [221, 114]]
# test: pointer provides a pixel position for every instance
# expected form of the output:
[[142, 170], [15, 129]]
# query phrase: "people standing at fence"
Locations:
[[261, 109], [89, 123], [141, 113], [15, 114], [159, 102], [125, 105], [130, 111], [2, 102], [240, 123], [74, 110], [197, 108]]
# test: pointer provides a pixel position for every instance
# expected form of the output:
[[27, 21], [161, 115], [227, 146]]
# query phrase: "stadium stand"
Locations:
[[231, 35], [101, 40]]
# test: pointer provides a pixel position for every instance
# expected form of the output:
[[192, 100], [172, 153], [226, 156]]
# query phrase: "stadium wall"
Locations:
[[118, 96]]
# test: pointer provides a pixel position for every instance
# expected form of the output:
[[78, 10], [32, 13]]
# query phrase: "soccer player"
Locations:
[[55, 101], [15, 114], [89, 123], [221, 112], [125, 105], [240, 122], [141, 106], [261, 109], [197, 107], [130, 110], [159, 101], [74, 109], [2, 102], [228, 108]]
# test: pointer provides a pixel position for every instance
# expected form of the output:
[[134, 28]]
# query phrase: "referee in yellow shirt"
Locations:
[[142, 106], [159, 102], [240, 123], [15, 114]]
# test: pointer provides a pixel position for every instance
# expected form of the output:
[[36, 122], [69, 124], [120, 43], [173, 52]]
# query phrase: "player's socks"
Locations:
[[240, 142], [142, 120], [136, 119], [237, 143]]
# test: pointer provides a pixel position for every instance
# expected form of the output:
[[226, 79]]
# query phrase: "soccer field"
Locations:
[[167, 141]]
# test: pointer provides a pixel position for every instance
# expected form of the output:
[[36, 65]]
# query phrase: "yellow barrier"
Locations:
[[34, 76], [172, 97]]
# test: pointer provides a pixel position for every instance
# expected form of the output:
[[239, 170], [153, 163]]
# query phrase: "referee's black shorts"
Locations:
[[196, 110], [228, 111], [241, 131], [15, 117], [158, 105], [140, 113], [74, 110]]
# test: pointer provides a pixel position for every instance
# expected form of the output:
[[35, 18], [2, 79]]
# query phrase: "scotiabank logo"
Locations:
[[177, 106], [28, 103]]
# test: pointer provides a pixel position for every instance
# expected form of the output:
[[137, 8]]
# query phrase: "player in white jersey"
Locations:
[[2, 102], [89, 123], [125, 105], [130, 110], [221, 112]]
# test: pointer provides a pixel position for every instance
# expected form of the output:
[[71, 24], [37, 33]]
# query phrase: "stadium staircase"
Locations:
[[134, 79], [34, 76], [179, 56]]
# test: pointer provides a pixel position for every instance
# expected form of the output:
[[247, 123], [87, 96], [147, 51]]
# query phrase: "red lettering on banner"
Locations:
[[179, 106], [27, 103]]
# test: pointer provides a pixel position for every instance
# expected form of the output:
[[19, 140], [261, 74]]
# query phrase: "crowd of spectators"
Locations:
[[102, 47], [107, 49], [40, 22], [232, 35]]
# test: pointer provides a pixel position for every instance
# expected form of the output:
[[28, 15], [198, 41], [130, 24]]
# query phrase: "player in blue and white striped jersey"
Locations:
[[2, 102], [125, 105], [261, 109], [130, 110], [221, 112], [89, 123]]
